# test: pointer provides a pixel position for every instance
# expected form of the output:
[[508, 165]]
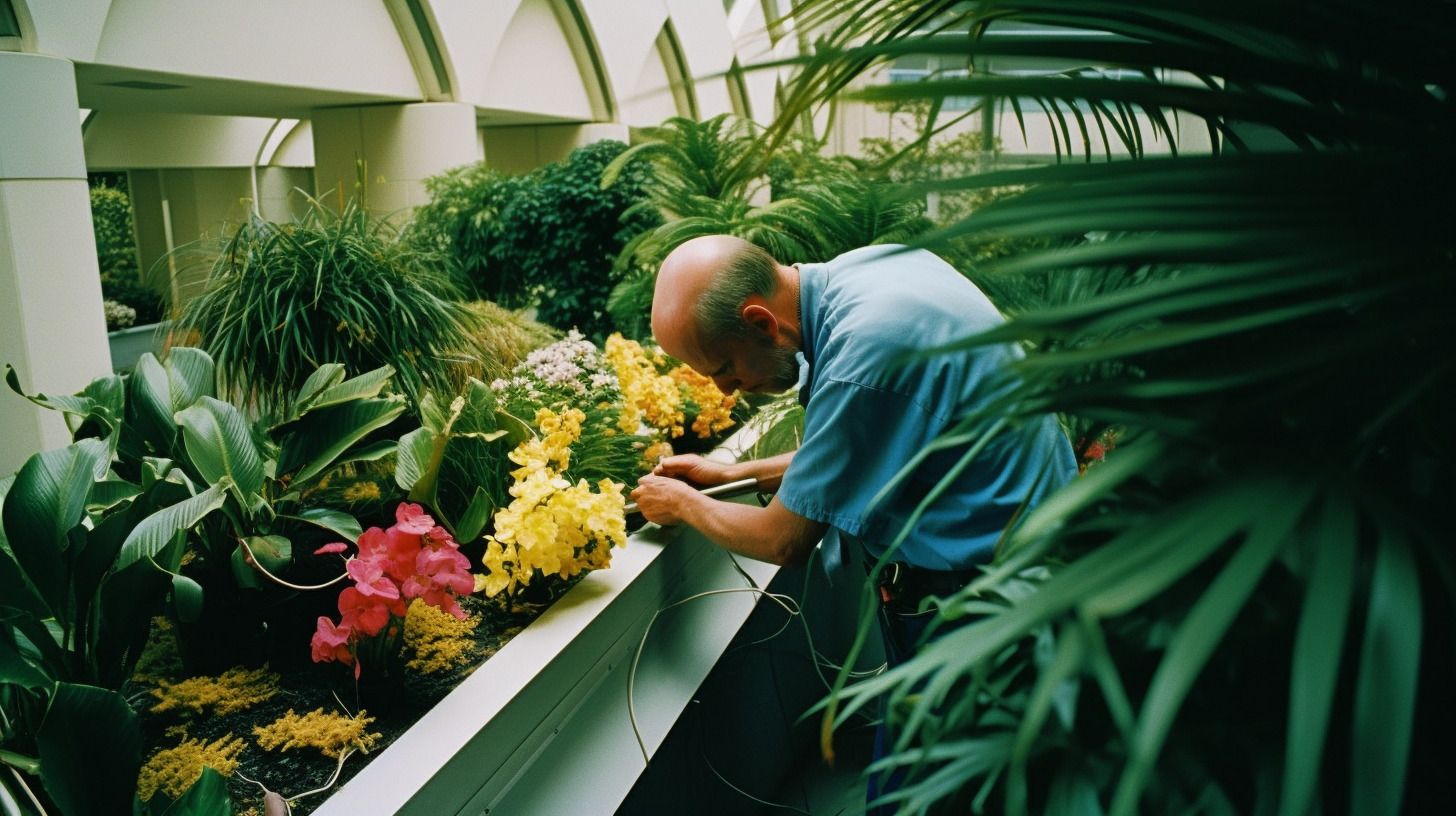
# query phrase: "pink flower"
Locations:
[[368, 615], [369, 577], [336, 547], [411, 518], [331, 643]]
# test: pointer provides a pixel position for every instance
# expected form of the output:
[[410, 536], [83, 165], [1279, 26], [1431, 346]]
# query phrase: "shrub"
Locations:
[[116, 254], [547, 238]]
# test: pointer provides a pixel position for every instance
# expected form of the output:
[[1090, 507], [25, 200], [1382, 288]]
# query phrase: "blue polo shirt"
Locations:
[[869, 409]]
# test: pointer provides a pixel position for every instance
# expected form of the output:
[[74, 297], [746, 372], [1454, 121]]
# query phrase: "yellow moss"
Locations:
[[160, 658], [439, 640], [174, 770], [331, 734], [236, 689], [361, 491]]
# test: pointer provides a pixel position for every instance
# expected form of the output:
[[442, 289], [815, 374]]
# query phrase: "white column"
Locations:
[[401, 146], [51, 324]]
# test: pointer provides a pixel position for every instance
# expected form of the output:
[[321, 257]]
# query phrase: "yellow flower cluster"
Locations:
[[332, 734], [650, 397], [715, 409], [552, 525], [236, 689], [439, 641], [361, 491], [174, 770]]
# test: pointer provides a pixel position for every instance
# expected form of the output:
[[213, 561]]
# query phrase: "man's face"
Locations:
[[756, 364]]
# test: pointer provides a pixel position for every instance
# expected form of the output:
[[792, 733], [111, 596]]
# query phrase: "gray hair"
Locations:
[[750, 270]]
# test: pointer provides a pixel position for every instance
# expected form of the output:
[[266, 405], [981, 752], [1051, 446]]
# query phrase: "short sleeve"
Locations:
[[855, 441]]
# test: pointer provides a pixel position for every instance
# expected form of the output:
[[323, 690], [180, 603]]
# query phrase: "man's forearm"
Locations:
[[772, 534], [769, 472]]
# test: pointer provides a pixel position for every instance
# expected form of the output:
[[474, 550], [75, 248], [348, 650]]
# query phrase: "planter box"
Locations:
[[128, 345], [543, 726]]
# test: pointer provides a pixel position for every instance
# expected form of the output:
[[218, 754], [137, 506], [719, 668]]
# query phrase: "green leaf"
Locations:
[[157, 530], [101, 399], [1318, 644], [365, 386], [98, 554], [15, 670], [317, 441], [412, 458], [129, 599], [1385, 691], [46, 500], [220, 445], [274, 552], [191, 376], [90, 750], [323, 378], [335, 521], [208, 796], [108, 493], [1198, 635], [149, 404], [5, 483], [186, 598], [476, 516]]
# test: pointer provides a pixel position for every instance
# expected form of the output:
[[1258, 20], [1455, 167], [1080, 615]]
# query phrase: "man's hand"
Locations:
[[663, 500], [693, 468]]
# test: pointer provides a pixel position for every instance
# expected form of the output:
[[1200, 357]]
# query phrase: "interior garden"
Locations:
[[364, 449]]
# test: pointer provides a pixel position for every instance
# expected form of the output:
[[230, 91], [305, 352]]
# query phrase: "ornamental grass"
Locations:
[[281, 299]]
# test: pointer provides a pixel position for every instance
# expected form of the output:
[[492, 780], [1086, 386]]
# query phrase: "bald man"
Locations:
[[847, 332]]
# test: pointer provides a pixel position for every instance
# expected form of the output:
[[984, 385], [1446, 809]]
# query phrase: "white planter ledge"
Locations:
[[542, 727], [128, 345]]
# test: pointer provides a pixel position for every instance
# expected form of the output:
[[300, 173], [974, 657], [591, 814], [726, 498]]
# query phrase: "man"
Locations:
[[848, 332]]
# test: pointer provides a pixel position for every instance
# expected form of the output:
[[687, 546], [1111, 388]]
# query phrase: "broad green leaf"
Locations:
[[317, 441], [273, 553], [95, 775], [412, 458], [149, 404], [46, 500], [1318, 644], [365, 386], [1385, 691], [101, 400], [208, 796], [157, 530], [128, 600], [372, 452], [15, 670], [186, 598], [476, 516], [97, 554], [36, 637], [191, 376], [5, 483], [336, 521], [220, 445], [108, 493], [323, 378]]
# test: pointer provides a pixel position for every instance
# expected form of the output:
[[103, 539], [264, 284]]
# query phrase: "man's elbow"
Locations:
[[792, 551]]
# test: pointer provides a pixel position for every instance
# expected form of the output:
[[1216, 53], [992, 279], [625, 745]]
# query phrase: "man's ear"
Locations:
[[757, 314]]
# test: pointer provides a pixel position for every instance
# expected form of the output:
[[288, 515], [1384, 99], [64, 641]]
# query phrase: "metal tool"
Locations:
[[723, 491]]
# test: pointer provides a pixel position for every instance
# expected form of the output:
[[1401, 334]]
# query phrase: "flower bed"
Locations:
[[233, 526]]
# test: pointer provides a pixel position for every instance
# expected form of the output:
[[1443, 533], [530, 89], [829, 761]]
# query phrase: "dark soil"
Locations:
[[305, 687]]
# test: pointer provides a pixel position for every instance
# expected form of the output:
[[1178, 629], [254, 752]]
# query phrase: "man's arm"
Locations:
[[705, 472], [774, 533]]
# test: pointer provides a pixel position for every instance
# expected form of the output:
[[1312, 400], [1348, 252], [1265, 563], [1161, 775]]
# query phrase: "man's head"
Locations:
[[730, 311]]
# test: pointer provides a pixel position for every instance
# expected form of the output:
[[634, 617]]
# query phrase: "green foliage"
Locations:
[[282, 299], [116, 253], [547, 238], [706, 178], [1267, 325]]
